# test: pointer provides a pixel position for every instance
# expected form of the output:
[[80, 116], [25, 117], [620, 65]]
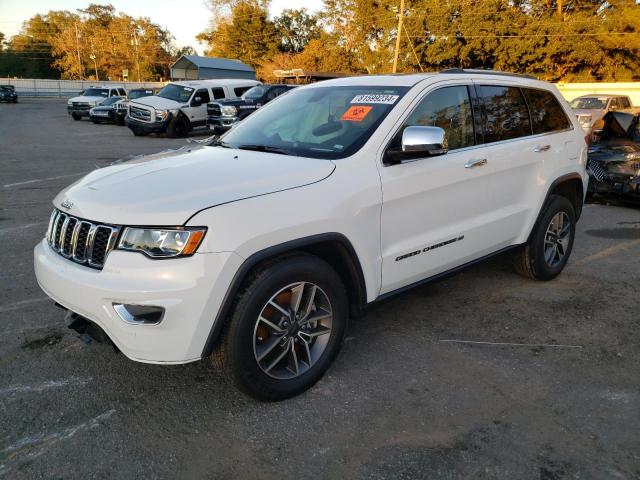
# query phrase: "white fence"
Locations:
[[28, 87], [573, 90]]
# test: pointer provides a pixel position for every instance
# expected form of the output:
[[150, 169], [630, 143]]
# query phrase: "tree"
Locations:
[[248, 35], [296, 28]]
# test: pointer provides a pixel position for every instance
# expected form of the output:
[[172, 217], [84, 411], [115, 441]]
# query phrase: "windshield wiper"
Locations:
[[263, 148]]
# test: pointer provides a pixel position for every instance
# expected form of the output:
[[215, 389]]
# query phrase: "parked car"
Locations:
[[614, 160], [255, 250], [8, 94], [122, 107], [79, 107], [223, 114], [591, 109], [181, 107], [105, 112]]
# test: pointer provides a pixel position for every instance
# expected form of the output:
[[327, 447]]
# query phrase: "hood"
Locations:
[[235, 102], [595, 114], [158, 103], [85, 99], [168, 188]]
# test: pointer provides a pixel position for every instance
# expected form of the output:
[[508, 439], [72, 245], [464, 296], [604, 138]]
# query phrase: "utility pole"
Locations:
[[134, 42], [397, 50], [95, 65], [560, 8], [80, 69]]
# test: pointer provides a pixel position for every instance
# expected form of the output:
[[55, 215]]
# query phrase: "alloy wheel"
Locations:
[[557, 239]]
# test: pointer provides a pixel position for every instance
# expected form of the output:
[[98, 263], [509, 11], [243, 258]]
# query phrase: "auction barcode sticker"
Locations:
[[374, 98]]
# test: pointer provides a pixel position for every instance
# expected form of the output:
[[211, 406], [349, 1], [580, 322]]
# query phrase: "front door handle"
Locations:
[[478, 162], [542, 148]]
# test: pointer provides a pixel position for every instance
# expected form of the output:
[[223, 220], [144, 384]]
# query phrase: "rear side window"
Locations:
[[448, 108], [122, 92], [217, 93], [506, 114], [547, 115], [624, 102], [240, 90]]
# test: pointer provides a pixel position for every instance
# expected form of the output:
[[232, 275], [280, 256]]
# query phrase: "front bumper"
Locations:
[[220, 124], [191, 290], [103, 118], [82, 112], [147, 127]]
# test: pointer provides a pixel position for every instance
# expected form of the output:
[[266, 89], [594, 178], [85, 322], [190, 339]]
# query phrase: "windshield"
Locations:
[[176, 93], [253, 93], [589, 103], [110, 101], [139, 94], [319, 122], [96, 92]]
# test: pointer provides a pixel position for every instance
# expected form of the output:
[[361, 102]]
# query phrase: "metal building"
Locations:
[[194, 67]]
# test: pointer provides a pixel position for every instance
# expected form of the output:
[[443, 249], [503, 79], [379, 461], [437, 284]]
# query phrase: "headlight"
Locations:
[[228, 111], [69, 102], [585, 120], [161, 115], [162, 242]]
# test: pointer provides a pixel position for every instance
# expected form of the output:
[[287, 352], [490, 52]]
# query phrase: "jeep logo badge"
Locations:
[[67, 205]]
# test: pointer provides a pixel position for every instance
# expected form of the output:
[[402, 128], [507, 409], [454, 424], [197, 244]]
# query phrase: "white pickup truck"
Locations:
[[181, 107]]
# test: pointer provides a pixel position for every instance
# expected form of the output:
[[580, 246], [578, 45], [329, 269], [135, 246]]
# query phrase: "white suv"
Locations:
[[181, 106], [255, 250]]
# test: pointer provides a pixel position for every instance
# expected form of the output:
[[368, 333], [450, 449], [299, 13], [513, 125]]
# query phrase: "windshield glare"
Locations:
[[139, 94], [96, 92], [110, 101], [177, 93], [318, 122], [254, 92], [589, 103]]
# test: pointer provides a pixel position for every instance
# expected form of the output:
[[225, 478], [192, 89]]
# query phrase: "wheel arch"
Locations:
[[569, 186], [334, 248]]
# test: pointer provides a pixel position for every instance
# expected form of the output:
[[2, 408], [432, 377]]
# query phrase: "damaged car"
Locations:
[[614, 161]]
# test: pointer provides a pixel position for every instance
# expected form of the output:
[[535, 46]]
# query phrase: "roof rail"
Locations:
[[487, 72]]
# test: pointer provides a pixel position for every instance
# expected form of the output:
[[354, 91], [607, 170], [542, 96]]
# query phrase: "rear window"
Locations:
[[217, 93], [547, 115], [506, 113]]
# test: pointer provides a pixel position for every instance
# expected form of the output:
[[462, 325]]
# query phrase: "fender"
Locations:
[[304, 243]]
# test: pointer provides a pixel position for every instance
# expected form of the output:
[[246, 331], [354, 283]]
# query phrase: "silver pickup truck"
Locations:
[[591, 109]]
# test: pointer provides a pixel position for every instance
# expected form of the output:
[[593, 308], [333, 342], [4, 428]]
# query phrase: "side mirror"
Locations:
[[196, 102], [419, 142]]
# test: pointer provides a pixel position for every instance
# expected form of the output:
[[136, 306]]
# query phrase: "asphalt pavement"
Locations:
[[484, 375]]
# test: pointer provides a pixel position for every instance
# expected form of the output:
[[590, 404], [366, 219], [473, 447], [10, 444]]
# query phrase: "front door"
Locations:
[[436, 211], [198, 109]]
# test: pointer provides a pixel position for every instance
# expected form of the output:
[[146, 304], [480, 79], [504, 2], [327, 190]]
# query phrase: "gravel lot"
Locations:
[[401, 401]]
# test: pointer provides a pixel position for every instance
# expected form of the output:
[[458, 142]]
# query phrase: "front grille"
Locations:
[[121, 106], [214, 109], [139, 114], [79, 240], [81, 106]]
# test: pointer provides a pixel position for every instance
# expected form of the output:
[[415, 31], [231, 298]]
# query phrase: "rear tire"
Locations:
[[178, 127], [272, 356], [549, 247]]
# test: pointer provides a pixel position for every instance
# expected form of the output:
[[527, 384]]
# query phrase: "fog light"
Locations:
[[139, 314]]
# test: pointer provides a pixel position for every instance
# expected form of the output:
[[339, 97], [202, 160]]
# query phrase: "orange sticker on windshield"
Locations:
[[356, 113]]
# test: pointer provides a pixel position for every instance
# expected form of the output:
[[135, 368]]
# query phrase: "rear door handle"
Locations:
[[478, 162], [542, 148]]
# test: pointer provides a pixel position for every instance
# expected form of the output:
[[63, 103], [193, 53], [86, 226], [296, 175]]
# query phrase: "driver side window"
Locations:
[[448, 108]]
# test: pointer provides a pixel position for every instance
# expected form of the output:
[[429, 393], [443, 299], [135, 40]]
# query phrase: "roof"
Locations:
[[602, 95], [218, 82], [217, 63]]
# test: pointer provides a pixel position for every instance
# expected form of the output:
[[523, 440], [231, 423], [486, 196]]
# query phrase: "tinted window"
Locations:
[[240, 90], [506, 113], [625, 103], [546, 113], [217, 93], [204, 95], [121, 92], [450, 109]]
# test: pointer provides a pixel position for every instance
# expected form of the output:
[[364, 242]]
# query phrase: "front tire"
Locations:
[[76, 117], [549, 247], [286, 329], [178, 127]]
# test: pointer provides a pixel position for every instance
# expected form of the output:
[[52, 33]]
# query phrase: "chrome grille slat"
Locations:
[[75, 238]]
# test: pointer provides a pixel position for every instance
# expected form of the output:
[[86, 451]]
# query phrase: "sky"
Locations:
[[183, 18]]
